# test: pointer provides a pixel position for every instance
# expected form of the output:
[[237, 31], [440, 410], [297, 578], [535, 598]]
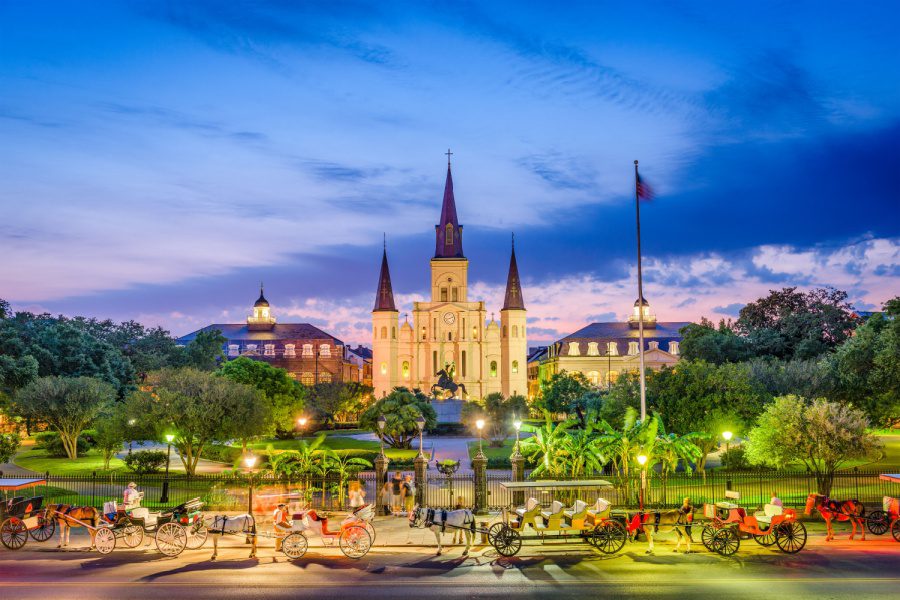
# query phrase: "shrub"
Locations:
[[54, 447], [9, 443], [146, 461], [221, 453], [735, 459]]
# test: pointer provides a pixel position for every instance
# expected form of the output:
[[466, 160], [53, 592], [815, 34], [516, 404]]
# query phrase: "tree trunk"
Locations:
[[69, 446]]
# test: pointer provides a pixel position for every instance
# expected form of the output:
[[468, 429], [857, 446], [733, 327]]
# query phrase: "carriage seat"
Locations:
[[529, 506], [143, 513], [727, 505], [577, 514], [552, 519], [769, 511]]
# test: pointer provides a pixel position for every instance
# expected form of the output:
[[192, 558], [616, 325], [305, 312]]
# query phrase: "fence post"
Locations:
[[381, 467], [479, 465], [518, 474], [420, 465]]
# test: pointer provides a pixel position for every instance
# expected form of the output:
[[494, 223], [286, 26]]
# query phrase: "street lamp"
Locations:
[[301, 423], [382, 421], [420, 423], [479, 425], [131, 423], [642, 460], [517, 425], [726, 435], [164, 497], [250, 462]]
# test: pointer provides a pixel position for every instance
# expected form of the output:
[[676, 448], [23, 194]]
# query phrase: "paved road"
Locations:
[[839, 569]]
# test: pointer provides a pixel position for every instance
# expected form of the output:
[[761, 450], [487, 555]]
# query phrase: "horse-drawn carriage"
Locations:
[[589, 522], [888, 518], [22, 516], [729, 524], [354, 536], [173, 530]]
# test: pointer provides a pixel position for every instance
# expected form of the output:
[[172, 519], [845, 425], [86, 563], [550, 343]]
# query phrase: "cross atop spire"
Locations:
[[513, 299], [384, 297], [448, 233], [449, 154]]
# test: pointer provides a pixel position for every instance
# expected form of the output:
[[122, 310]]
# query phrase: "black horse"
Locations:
[[446, 384]]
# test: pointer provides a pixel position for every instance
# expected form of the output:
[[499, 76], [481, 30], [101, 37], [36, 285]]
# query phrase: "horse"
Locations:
[[438, 520], [663, 521], [446, 384], [238, 524], [846, 510], [68, 516]]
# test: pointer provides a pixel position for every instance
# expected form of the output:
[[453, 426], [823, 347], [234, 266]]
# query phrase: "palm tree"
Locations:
[[669, 449], [546, 447], [344, 466], [306, 461], [621, 447], [580, 452]]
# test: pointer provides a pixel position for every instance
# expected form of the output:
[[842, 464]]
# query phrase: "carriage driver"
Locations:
[[131, 497], [282, 525]]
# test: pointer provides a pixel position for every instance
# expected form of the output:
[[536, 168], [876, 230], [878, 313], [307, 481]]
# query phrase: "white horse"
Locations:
[[238, 524], [663, 521], [439, 520]]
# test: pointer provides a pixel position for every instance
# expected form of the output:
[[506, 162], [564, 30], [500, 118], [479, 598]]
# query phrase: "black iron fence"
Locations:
[[232, 493]]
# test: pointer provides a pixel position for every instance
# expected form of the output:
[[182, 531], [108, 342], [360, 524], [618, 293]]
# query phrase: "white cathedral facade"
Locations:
[[450, 329]]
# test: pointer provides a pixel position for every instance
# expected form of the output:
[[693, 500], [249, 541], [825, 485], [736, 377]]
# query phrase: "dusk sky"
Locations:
[[159, 159]]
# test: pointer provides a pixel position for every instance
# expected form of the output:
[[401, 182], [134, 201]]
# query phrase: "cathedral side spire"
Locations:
[[513, 299], [384, 297], [448, 233]]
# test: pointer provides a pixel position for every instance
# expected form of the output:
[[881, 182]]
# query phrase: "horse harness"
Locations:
[[431, 513]]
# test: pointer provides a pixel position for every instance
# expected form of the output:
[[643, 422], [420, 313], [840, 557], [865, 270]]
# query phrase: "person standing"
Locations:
[[687, 509], [386, 497], [356, 495], [396, 493], [408, 491]]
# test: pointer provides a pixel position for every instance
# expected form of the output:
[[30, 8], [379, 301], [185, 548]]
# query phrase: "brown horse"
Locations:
[[68, 516], [833, 510], [662, 521]]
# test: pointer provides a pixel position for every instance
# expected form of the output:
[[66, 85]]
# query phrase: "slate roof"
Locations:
[[448, 215], [238, 332], [622, 333]]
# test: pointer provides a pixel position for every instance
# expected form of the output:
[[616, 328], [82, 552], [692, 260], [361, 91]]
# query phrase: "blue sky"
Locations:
[[160, 159]]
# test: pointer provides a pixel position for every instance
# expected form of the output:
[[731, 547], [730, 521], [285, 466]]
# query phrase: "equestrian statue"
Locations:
[[446, 384]]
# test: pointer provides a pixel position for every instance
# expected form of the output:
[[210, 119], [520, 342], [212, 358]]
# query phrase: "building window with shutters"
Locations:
[[632, 348], [613, 349], [592, 349], [307, 379]]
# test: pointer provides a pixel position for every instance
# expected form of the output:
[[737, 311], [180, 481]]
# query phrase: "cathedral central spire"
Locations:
[[513, 299], [448, 233]]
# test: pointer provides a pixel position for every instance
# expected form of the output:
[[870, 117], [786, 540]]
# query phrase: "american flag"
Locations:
[[644, 191]]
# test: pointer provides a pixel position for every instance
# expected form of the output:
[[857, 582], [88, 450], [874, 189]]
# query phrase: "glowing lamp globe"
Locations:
[[169, 437], [250, 461], [642, 459], [726, 435], [517, 424], [479, 424]]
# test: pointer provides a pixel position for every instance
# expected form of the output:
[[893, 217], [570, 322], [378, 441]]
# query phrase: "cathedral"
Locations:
[[450, 332]]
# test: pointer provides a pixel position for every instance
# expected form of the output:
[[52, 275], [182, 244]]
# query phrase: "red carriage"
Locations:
[[21, 517], [729, 523], [880, 521]]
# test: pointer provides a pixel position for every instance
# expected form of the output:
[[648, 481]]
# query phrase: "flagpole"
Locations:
[[637, 204]]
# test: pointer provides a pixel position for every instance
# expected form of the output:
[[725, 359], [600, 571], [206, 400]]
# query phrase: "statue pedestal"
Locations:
[[448, 411]]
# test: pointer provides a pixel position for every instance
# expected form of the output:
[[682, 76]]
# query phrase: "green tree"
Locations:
[[345, 466], [67, 404], [809, 378], [9, 444], [560, 395], [205, 351], [498, 412], [821, 435], [867, 367], [109, 435], [286, 398], [330, 401], [197, 407], [5, 310], [703, 341], [400, 408], [546, 448]]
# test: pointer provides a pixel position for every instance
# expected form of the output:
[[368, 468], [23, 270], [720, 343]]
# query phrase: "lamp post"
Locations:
[[250, 462], [642, 460], [517, 462], [381, 463], [131, 423], [517, 425], [479, 467], [301, 424], [420, 464], [382, 421], [726, 435], [479, 425], [420, 423], [164, 497]]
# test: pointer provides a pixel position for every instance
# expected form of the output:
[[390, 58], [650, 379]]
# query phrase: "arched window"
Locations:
[[384, 368], [515, 366], [393, 333], [613, 376], [383, 333], [448, 235], [594, 377], [307, 379], [504, 331], [405, 369], [493, 368], [324, 377], [515, 331]]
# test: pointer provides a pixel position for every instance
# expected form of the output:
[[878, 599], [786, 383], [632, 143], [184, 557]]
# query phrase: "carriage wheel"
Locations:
[[132, 536], [726, 541], [171, 539], [44, 530], [493, 530], [791, 537], [895, 529], [196, 536], [877, 522], [371, 529], [105, 540], [355, 541], [294, 545], [508, 542], [13, 533], [766, 539], [707, 535], [609, 537]]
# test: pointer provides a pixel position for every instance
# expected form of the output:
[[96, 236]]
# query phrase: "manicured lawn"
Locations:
[[490, 452], [37, 460], [890, 459], [337, 443]]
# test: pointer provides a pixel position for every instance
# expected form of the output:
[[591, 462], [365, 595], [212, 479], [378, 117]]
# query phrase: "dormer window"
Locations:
[[289, 351], [574, 350], [324, 350], [233, 349], [269, 349], [632, 348], [613, 349], [307, 350], [654, 345], [251, 348], [673, 348], [592, 349]]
